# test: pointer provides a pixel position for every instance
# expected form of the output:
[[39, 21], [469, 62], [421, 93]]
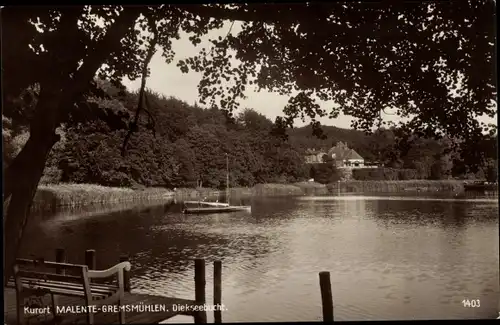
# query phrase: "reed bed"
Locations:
[[276, 190], [398, 186], [49, 197], [312, 188]]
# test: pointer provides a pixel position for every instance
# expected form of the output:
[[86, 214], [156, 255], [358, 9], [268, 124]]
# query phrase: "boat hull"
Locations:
[[212, 204], [221, 209]]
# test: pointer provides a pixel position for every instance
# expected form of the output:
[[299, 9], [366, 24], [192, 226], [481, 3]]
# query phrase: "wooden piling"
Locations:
[[60, 258], [90, 259], [126, 274], [199, 290], [326, 296], [217, 291]]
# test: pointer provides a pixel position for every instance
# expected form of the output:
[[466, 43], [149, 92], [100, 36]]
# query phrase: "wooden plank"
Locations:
[[56, 265], [49, 276], [48, 289], [100, 289], [97, 287]]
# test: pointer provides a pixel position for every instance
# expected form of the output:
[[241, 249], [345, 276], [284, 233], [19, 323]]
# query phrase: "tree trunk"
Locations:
[[21, 178], [27, 173], [23, 175]]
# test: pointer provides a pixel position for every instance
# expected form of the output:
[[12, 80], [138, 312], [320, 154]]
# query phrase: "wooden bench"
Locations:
[[38, 277]]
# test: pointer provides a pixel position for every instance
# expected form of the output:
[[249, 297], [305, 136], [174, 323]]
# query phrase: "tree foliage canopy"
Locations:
[[431, 61]]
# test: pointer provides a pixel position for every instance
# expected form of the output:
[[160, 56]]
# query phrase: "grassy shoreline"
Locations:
[[50, 197], [400, 186]]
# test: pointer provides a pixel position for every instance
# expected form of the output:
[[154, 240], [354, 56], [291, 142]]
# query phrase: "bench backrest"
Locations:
[[28, 271], [51, 277], [73, 276], [54, 271]]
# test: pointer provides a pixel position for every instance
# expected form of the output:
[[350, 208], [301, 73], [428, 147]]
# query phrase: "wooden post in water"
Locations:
[[60, 258], [326, 296], [90, 259], [199, 290], [217, 291], [126, 274]]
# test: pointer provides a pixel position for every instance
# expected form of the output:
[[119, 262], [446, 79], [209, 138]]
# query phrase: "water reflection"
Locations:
[[390, 258]]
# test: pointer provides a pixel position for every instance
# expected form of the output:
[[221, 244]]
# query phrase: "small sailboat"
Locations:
[[213, 204], [202, 207]]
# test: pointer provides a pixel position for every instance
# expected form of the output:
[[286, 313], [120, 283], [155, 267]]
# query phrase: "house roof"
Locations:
[[343, 152], [354, 155]]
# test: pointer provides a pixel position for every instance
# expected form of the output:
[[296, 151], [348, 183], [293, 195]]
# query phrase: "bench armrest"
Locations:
[[118, 268]]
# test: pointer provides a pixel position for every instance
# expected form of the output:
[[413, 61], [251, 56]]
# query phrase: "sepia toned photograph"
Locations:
[[250, 162]]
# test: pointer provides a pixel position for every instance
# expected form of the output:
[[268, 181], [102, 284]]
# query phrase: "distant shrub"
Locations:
[[384, 174], [324, 173], [407, 174]]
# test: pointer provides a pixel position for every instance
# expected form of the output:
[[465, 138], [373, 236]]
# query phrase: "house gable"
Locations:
[[345, 156], [340, 153], [353, 155]]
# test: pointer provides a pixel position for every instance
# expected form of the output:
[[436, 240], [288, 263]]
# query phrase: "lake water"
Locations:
[[398, 257]]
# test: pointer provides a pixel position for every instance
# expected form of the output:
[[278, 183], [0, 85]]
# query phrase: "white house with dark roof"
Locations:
[[345, 157], [341, 154]]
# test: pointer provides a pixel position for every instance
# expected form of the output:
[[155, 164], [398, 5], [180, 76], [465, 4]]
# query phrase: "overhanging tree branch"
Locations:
[[246, 12], [133, 126]]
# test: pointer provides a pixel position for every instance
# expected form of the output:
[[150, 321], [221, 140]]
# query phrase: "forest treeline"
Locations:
[[182, 145]]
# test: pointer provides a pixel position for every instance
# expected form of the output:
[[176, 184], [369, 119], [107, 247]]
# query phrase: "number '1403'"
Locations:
[[474, 303]]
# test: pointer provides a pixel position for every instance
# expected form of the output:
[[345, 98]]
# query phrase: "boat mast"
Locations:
[[227, 178]]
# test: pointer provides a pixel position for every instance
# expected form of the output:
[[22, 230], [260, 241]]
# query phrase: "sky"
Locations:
[[167, 79]]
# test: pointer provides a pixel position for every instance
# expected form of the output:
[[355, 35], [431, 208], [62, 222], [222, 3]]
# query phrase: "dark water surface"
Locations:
[[405, 257]]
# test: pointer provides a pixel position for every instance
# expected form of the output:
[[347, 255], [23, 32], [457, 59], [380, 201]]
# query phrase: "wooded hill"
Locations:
[[179, 145]]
